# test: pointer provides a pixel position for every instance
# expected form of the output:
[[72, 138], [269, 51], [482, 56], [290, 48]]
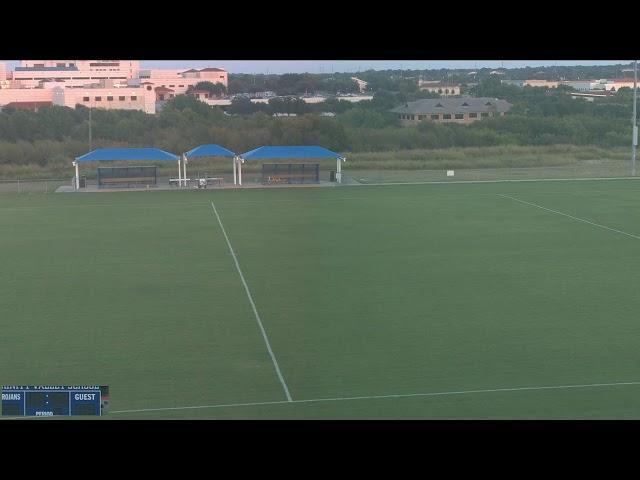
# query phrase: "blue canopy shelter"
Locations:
[[119, 154], [207, 150], [282, 152]]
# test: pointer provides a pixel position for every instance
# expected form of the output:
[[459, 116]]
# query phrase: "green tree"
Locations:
[[241, 106], [215, 89]]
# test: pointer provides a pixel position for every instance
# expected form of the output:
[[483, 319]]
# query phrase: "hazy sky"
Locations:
[[328, 66]]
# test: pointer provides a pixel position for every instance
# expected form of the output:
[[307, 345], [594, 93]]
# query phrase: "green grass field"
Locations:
[[379, 302]]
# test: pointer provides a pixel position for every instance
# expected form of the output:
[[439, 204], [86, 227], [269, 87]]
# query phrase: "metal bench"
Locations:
[[145, 181]]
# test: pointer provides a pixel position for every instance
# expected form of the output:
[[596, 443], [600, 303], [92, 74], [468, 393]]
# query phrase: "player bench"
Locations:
[[127, 176], [150, 181], [290, 173], [287, 178]]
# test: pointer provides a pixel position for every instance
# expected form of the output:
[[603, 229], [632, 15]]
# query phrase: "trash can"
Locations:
[[83, 182], [332, 176]]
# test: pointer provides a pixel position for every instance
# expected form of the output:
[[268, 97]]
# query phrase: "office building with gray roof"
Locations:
[[457, 110]]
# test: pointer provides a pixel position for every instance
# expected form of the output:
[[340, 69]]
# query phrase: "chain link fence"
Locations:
[[583, 169], [30, 185], [580, 170]]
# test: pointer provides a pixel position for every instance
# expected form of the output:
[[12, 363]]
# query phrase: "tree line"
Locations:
[[292, 83], [56, 134]]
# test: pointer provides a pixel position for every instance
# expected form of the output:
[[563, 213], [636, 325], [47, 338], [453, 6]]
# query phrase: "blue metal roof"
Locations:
[[311, 151], [209, 150], [111, 154]]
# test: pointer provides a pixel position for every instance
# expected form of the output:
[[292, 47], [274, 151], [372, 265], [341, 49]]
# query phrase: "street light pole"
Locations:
[[90, 140], [634, 141]]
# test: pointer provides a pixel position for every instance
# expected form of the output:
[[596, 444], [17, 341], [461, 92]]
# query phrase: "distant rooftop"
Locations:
[[437, 83], [46, 69], [453, 105], [208, 69], [28, 105]]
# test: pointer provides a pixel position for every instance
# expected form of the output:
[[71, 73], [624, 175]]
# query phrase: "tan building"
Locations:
[[541, 83], [74, 72], [32, 106], [200, 94], [12, 95], [108, 84], [106, 98], [362, 85], [455, 110], [180, 81], [616, 84], [441, 88]]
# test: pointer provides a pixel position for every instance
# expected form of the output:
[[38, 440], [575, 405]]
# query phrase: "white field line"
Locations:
[[124, 205], [438, 182], [253, 305], [570, 216], [453, 182], [381, 397]]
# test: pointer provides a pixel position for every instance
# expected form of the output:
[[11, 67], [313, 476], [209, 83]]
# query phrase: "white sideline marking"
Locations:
[[374, 397], [253, 305], [571, 216], [435, 182], [126, 205]]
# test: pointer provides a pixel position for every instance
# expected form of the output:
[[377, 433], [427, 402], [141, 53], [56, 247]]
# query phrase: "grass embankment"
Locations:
[[417, 159], [482, 157]]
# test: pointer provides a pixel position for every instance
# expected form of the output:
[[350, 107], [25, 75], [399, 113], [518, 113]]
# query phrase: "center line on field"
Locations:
[[253, 305], [381, 397], [571, 216]]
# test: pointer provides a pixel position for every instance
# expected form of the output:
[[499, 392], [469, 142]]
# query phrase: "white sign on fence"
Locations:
[[449, 173]]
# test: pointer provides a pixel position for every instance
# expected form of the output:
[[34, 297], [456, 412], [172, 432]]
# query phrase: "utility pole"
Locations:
[[634, 141]]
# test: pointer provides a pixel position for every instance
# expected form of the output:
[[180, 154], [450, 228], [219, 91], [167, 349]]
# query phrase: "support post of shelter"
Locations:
[[77, 182], [339, 170], [240, 172], [235, 160], [180, 172], [184, 168]]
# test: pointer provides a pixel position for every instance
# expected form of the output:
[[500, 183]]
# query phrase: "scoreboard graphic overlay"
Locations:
[[54, 400]]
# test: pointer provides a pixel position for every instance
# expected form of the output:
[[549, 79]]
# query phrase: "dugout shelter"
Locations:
[[207, 150], [293, 172], [129, 176]]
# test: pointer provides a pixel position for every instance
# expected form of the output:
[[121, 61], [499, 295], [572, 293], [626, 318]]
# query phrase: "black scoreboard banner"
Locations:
[[54, 400]]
